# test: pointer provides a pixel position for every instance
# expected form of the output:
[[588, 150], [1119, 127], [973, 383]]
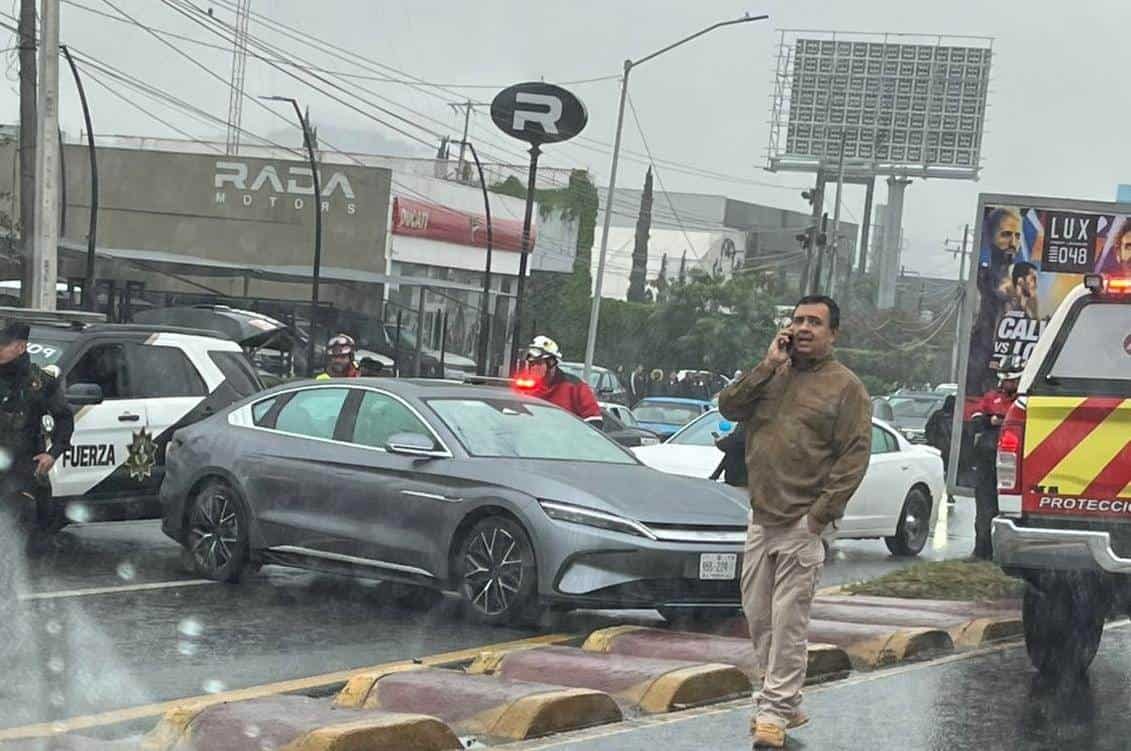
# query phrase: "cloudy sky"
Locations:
[[1054, 125]]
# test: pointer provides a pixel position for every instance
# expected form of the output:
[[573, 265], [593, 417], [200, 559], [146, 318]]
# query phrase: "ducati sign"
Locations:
[[538, 113]]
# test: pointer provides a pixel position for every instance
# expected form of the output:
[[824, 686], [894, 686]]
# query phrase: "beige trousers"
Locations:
[[780, 569]]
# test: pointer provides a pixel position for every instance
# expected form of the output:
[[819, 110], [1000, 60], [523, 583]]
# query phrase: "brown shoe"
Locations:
[[767, 735], [799, 719]]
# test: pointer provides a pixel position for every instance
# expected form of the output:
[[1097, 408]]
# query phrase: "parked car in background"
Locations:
[[911, 410], [603, 381], [621, 426], [947, 389], [881, 409], [664, 415], [898, 500], [383, 339], [508, 501]]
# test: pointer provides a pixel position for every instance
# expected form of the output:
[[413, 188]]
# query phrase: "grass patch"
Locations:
[[943, 580]]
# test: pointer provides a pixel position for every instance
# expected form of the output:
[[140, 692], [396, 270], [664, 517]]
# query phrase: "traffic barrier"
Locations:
[[826, 662], [482, 705], [641, 684], [964, 630], [871, 646], [295, 723]]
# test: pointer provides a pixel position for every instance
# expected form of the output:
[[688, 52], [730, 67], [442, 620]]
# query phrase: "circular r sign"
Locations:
[[538, 112]]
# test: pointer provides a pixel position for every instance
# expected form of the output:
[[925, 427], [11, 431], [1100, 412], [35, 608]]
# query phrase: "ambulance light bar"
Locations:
[[1097, 284]]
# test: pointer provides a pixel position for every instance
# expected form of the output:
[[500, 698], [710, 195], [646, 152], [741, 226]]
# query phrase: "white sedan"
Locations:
[[898, 500]]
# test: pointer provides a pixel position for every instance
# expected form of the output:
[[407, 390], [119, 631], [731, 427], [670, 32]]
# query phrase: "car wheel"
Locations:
[[1063, 616], [217, 532], [497, 572], [914, 525]]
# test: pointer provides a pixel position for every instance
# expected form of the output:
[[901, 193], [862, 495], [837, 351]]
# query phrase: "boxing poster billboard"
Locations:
[[1029, 253]]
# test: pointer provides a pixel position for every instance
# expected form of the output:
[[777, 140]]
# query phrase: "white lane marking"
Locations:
[[114, 590]]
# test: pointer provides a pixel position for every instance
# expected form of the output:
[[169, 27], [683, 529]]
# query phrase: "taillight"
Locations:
[[1010, 444]]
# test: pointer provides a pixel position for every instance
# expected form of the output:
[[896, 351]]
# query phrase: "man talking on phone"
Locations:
[[808, 439]]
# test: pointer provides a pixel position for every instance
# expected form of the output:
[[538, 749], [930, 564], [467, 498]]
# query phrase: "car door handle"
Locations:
[[127, 417]]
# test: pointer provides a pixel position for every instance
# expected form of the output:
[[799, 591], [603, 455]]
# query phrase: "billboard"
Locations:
[[905, 107], [1031, 253]]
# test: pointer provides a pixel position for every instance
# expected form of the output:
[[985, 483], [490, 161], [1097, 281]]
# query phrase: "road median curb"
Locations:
[[647, 685], [295, 723], [481, 704], [871, 646], [826, 661]]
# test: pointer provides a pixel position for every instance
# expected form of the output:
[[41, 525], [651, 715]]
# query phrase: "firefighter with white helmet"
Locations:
[[340, 352], [549, 382], [988, 420]]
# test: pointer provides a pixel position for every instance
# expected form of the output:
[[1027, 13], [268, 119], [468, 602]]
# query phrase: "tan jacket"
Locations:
[[808, 438]]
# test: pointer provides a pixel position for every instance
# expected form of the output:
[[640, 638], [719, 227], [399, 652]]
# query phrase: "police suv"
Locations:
[[131, 387], [1064, 477]]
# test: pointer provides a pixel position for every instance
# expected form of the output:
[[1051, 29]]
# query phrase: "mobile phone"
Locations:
[[788, 345]]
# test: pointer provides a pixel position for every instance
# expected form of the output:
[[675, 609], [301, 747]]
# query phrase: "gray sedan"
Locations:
[[503, 498]]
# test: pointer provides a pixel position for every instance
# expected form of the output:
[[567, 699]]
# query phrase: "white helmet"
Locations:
[[543, 348]]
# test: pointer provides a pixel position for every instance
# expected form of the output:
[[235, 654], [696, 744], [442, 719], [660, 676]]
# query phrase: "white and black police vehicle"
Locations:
[[131, 386]]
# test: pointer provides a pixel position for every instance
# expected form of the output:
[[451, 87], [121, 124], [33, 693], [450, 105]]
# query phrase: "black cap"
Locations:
[[15, 331]]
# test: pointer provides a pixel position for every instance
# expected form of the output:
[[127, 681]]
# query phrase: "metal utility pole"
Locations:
[[962, 252], [45, 252], [835, 244], [808, 284], [316, 274], [865, 230], [239, 69], [467, 106], [27, 142], [595, 312], [88, 296]]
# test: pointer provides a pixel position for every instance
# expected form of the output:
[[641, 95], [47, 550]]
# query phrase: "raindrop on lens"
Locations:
[[55, 665], [5, 460], [187, 648], [54, 627], [78, 512], [251, 731], [57, 699], [214, 686], [267, 745], [126, 571], [190, 627]]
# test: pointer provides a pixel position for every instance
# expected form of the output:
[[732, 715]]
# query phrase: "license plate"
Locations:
[[718, 565]]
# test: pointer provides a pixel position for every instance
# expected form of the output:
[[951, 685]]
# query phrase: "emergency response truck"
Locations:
[[1064, 477]]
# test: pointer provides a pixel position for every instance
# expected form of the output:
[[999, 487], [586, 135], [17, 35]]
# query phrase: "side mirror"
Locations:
[[84, 394], [413, 444]]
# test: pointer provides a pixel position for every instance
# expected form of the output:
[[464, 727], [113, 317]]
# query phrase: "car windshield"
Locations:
[[704, 431], [46, 351], [577, 370], [1091, 351], [518, 429], [667, 414], [903, 406]]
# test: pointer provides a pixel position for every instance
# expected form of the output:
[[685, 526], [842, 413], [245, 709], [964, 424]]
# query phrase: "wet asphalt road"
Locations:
[[112, 648], [989, 701]]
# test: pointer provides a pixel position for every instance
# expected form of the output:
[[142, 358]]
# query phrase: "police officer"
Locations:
[[988, 421], [27, 395]]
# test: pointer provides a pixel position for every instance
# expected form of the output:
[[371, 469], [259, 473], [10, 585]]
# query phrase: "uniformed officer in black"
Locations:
[[27, 394]]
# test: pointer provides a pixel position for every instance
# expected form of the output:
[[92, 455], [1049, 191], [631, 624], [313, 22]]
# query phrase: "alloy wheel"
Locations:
[[214, 531], [493, 570]]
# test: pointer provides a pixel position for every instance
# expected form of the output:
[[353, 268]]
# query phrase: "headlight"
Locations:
[[565, 512]]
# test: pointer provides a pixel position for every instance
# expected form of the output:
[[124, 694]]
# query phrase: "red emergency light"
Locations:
[[525, 383], [1119, 286]]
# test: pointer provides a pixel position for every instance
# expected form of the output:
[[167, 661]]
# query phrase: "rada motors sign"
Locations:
[[538, 113], [285, 186]]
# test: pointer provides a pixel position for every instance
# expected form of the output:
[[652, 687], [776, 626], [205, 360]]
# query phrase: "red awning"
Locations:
[[428, 220]]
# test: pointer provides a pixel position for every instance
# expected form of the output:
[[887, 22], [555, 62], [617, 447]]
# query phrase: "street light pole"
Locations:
[[485, 314], [88, 295], [595, 311], [317, 269]]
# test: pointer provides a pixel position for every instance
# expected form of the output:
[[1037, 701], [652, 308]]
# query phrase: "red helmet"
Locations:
[[341, 344]]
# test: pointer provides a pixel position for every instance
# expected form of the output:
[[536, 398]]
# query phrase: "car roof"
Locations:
[[418, 388], [674, 400], [75, 329], [572, 364]]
